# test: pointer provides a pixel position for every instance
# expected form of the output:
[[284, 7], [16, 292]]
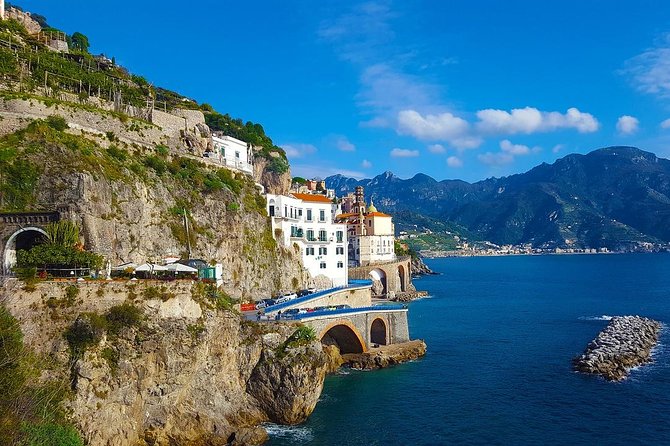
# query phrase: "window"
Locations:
[[323, 236], [339, 250], [272, 210], [285, 211], [309, 251], [322, 265], [322, 215], [237, 155], [323, 251], [340, 265], [340, 236], [309, 215], [310, 235], [300, 212]]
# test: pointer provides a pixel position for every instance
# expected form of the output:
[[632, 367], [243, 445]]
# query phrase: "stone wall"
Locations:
[[25, 19], [358, 297]]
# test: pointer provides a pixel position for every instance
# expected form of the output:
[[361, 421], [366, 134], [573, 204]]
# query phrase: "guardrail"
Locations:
[[298, 317], [352, 285]]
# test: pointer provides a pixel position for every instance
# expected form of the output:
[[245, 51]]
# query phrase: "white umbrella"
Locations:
[[150, 267], [181, 268]]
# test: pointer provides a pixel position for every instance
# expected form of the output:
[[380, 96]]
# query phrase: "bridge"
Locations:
[[345, 317], [390, 278], [22, 230]]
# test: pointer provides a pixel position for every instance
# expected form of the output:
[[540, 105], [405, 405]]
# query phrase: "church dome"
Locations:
[[372, 207]]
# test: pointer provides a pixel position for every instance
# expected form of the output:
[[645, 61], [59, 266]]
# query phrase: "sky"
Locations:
[[461, 89]]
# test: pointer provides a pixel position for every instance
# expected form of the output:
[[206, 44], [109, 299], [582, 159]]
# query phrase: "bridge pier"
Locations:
[[391, 277]]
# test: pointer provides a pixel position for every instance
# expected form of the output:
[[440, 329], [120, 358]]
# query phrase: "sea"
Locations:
[[501, 332]]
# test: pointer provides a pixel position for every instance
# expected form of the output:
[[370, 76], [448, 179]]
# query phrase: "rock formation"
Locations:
[[188, 374], [419, 268], [625, 343], [385, 356]]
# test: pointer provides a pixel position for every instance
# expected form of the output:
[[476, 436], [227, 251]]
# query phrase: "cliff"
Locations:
[[131, 201], [182, 372]]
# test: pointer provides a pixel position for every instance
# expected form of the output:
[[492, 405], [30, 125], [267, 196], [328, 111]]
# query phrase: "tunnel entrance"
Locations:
[[344, 338], [378, 332], [23, 239], [378, 277]]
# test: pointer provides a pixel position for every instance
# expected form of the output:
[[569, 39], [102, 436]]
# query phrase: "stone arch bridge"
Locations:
[[355, 330], [22, 230], [390, 277]]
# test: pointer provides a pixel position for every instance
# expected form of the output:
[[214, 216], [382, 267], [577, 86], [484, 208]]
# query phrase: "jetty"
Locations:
[[625, 343]]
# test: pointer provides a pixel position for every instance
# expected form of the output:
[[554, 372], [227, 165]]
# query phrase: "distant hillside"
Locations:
[[615, 197]]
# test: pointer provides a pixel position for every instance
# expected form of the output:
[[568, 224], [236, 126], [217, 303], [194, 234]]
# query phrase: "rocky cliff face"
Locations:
[[274, 183], [139, 204], [187, 374]]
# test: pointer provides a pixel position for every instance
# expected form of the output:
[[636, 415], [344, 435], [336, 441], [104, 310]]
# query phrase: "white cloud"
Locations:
[[665, 124], [404, 153], [436, 148], [298, 150], [649, 72], [627, 125], [517, 149], [343, 144], [557, 148], [496, 159], [531, 120], [366, 164], [442, 127], [454, 161]]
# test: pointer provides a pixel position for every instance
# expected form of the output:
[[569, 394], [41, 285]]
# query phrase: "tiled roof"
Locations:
[[312, 198]]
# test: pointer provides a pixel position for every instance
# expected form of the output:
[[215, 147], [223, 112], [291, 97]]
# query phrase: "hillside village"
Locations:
[[134, 218]]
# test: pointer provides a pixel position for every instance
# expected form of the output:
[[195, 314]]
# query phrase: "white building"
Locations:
[[371, 233], [308, 221], [233, 153]]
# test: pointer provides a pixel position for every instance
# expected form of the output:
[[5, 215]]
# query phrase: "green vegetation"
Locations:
[[251, 133], [209, 296], [61, 250], [30, 409], [123, 316], [154, 292]]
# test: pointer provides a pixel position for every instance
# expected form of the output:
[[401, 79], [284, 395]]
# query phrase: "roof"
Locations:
[[346, 215], [377, 214], [312, 198]]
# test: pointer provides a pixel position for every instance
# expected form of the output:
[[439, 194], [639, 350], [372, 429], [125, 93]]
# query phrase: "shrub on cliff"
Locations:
[[30, 410]]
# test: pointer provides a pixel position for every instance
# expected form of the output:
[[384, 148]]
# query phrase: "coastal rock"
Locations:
[[385, 356], [625, 343], [419, 268], [287, 382], [173, 379], [408, 296]]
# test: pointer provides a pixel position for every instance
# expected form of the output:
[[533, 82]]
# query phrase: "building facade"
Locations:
[[371, 233], [233, 153], [308, 221]]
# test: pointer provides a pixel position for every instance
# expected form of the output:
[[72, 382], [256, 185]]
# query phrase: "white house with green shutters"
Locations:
[[308, 221], [232, 153]]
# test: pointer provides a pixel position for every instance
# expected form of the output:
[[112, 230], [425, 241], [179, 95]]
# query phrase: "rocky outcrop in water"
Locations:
[[419, 268], [385, 356], [625, 343]]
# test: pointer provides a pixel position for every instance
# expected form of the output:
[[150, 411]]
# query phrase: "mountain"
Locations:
[[615, 197]]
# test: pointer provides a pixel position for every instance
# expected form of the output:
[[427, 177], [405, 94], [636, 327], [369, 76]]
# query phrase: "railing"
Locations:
[[320, 313], [299, 300]]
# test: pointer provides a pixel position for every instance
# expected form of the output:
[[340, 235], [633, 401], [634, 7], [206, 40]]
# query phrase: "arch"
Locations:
[[271, 207], [345, 336], [378, 332], [24, 238], [378, 277], [403, 278]]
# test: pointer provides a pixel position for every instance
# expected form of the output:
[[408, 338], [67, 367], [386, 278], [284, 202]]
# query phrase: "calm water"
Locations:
[[501, 332]]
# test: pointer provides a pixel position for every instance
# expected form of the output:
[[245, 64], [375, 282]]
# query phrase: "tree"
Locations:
[[80, 42]]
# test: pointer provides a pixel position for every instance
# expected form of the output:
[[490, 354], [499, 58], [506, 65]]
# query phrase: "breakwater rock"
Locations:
[[625, 343], [386, 355]]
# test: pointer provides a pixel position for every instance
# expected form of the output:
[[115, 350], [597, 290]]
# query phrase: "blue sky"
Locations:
[[457, 89]]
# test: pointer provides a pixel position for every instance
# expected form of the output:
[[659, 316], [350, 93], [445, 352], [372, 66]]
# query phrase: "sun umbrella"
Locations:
[[180, 268], [150, 267]]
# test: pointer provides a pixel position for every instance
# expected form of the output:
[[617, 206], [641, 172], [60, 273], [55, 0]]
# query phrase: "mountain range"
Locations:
[[616, 198]]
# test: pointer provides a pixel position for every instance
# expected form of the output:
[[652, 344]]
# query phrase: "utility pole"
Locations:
[[188, 237]]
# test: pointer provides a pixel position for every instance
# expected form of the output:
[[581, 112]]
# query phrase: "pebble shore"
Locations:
[[625, 343]]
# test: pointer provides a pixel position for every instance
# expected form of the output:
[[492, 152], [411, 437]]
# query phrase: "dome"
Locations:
[[372, 207]]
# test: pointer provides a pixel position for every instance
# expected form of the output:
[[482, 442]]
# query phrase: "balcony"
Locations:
[[299, 233]]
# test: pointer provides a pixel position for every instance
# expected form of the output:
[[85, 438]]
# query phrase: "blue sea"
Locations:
[[501, 332]]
